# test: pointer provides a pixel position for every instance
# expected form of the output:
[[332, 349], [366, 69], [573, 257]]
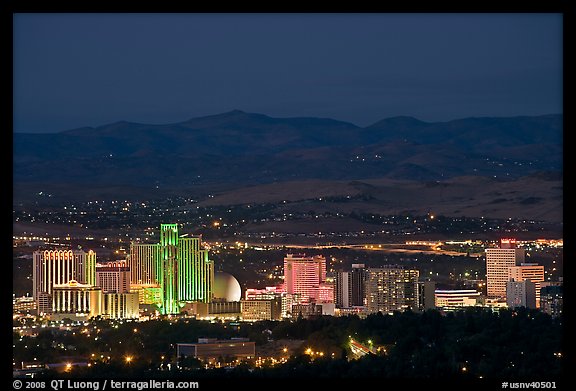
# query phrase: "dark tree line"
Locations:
[[474, 343]]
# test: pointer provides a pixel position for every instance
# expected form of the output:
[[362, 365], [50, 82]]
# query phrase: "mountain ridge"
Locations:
[[252, 148]]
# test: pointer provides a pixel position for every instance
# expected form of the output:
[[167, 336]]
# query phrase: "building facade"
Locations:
[[76, 301], [391, 288], [498, 260], [57, 267], [117, 305], [303, 276], [263, 309], [551, 300], [269, 293], [350, 288], [179, 265], [426, 295], [528, 271], [521, 294], [113, 277], [455, 299]]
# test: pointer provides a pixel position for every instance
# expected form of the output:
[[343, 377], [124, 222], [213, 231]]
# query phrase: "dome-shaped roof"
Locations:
[[226, 287]]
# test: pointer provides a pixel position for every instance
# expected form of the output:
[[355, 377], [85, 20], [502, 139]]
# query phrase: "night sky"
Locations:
[[74, 70]]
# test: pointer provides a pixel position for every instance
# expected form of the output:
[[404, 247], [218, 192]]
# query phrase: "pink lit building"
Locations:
[[326, 293], [303, 276]]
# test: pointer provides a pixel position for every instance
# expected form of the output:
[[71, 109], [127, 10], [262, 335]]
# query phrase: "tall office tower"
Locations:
[[391, 288], [117, 301], [342, 293], [143, 262], [349, 290], [426, 295], [521, 294], [358, 285], [303, 275], [85, 266], [528, 271], [498, 260], [113, 277], [195, 271], [168, 271], [52, 267], [179, 265]]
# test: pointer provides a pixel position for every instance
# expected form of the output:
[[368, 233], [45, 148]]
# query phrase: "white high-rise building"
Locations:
[[498, 260], [58, 267]]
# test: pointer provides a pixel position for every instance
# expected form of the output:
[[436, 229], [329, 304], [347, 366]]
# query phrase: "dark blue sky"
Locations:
[[73, 70]]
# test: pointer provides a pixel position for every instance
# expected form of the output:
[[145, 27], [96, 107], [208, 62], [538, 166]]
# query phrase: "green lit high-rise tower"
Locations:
[[168, 268], [196, 271], [179, 265]]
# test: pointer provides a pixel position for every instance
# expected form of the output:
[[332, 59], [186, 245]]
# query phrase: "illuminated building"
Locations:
[[325, 293], [179, 265], [358, 311], [224, 309], [76, 301], [113, 277], [117, 300], [211, 349], [226, 287], [51, 267], [143, 261], [528, 271], [498, 260], [214, 309], [303, 275], [148, 294], [269, 293], [521, 294], [391, 288], [328, 308], [23, 305], [454, 299], [264, 309], [306, 310], [551, 300], [120, 305]]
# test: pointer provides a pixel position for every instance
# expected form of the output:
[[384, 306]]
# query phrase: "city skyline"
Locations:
[[219, 196]]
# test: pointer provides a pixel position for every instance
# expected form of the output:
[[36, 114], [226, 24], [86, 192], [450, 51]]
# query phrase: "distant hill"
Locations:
[[238, 149]]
